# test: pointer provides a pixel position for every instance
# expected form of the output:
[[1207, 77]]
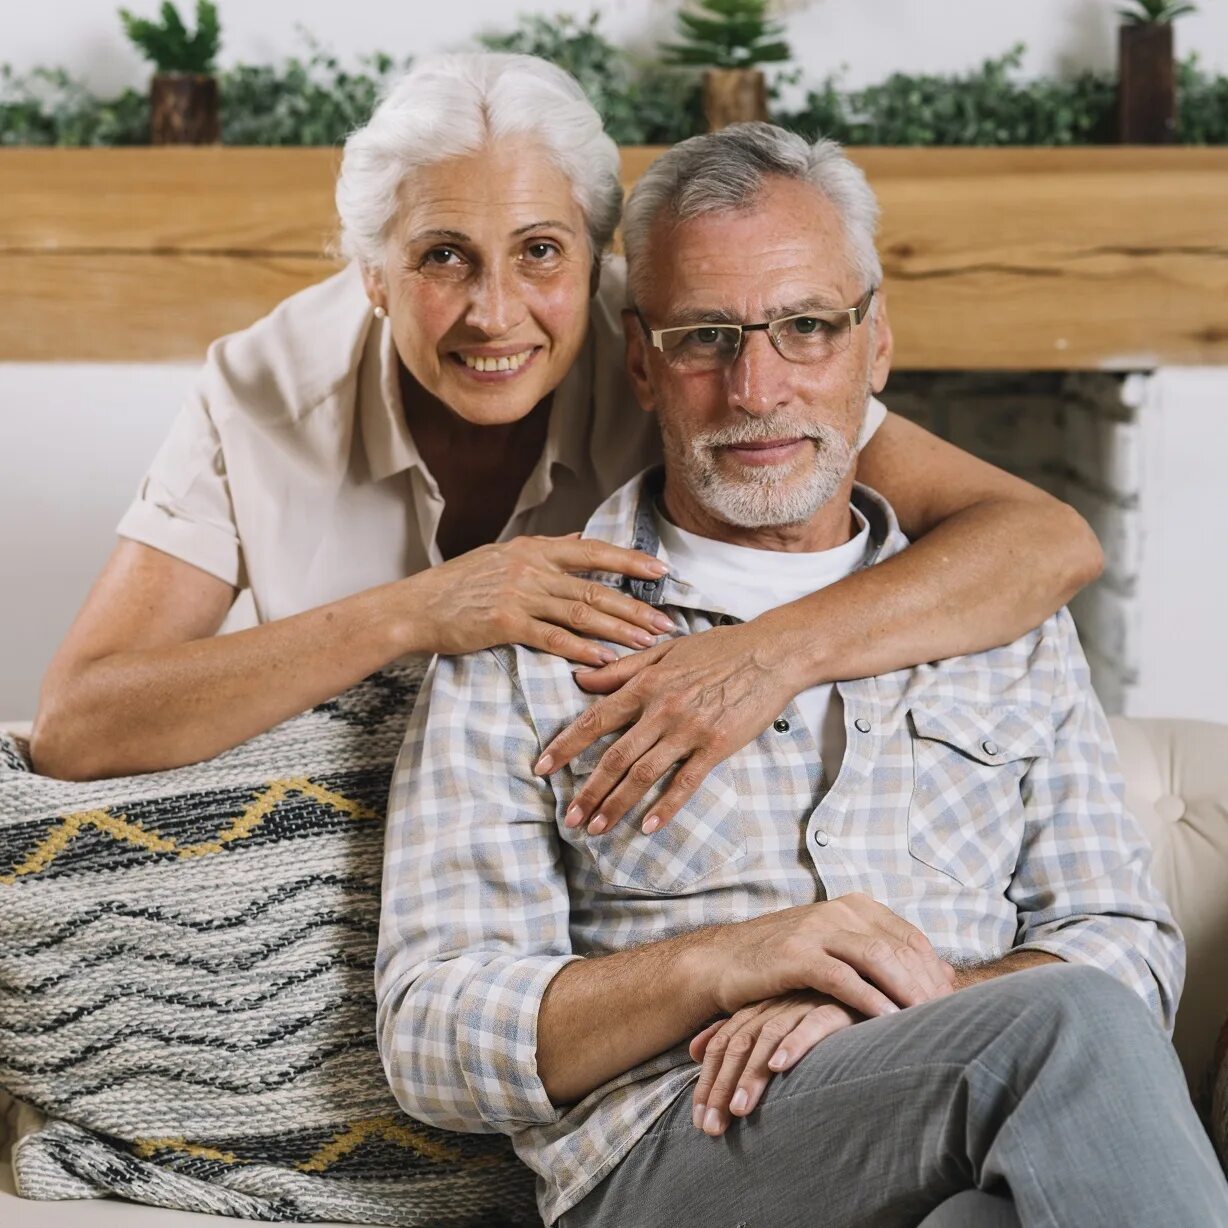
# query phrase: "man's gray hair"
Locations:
[[451, 105], [725, 171]]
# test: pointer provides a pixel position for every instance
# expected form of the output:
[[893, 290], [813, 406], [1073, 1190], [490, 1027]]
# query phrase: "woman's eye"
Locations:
[[442, 256], [542, 250]]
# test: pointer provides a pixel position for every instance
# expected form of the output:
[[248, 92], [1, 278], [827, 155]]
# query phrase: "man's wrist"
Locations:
[[1014, 961]]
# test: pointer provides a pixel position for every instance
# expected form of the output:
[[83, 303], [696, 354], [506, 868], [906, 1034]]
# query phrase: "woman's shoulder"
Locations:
[[290, 360]]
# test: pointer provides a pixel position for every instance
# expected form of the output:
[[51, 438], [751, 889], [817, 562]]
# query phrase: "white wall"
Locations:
[[872, 37], [75, 439]]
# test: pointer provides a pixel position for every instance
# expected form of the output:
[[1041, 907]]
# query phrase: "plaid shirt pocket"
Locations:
[[966, 814], [705, 838]]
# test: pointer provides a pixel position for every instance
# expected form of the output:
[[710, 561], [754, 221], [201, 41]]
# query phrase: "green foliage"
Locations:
[[639, 105], [310, 101], [47, 107], [1202, 105], [169, 45], [1145, 12], [985, 107], [727, 34]]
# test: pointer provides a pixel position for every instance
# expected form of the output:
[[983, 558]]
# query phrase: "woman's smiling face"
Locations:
[[487, 280]]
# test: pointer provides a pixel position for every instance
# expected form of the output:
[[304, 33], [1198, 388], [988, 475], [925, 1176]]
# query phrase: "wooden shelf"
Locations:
[[1005, 259]]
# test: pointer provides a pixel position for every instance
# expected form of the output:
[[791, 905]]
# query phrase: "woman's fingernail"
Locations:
[[543, 765], [658, 568], [574, 816], [712, 1122], [651, 824], [738, 1103], [697, 1117], [597, 826], [779, 1060], [662, 623], [644, 639]]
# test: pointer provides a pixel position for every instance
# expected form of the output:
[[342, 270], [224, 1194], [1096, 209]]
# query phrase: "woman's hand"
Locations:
[[694, 701], [524, 592], [742, 1053]]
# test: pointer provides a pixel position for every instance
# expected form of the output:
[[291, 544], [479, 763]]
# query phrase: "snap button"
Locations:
[[861, 725], [780, 725], [1170, 808], [821, 837], [990, 747]]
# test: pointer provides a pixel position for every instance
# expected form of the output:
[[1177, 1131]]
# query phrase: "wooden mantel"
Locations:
[[995, 258]]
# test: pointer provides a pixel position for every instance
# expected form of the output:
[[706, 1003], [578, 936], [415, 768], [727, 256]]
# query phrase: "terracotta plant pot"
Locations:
[[1146, 85], [734, 96], [184, 109]]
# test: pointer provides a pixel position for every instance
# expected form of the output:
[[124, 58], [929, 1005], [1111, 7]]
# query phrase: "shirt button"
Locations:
[[861, 725], [821, 837], [780, 725], [990, 747]]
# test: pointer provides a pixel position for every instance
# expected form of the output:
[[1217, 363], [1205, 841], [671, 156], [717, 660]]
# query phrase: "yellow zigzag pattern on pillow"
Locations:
[[121, 828], [350, 1139]]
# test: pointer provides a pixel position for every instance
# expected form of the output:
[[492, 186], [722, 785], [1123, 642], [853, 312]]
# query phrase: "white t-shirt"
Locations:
[[746, 582]]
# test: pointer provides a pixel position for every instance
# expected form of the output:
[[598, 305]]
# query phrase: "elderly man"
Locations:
[[835, 945]]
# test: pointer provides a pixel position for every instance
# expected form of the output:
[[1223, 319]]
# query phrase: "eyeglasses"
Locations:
[[810, 337]]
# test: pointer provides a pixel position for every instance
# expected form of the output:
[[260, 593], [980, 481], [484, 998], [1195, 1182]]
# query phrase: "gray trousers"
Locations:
[[1047, 1097]]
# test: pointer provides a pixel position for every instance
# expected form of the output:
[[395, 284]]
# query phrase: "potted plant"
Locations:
[[183, 93], [1146, 84], [729, 38]]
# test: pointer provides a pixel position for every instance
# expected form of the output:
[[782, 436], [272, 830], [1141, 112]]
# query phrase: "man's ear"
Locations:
[[637, 360], [373, 284], [884, 345]]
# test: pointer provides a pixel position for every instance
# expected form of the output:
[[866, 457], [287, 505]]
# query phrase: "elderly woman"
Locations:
[[398, 460]]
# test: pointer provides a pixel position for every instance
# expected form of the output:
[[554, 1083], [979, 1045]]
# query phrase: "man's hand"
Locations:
[[851, 949], [692, 702], [742, 1053]]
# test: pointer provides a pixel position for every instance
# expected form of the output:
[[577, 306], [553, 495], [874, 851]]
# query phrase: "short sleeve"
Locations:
[[183, 505], [876, 412]]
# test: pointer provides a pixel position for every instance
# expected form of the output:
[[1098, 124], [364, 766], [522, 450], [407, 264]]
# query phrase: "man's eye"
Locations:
[[704, 336], [806, 326]]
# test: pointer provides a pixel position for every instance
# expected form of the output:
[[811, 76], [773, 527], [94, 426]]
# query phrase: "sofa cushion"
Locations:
[[186, 986]]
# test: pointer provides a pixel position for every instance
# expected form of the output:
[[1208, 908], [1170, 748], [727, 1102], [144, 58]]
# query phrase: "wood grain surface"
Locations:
[[994, 259]]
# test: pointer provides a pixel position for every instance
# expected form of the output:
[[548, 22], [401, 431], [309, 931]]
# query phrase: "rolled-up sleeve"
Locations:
[[183, 505], [475, 911], [1083, 886]]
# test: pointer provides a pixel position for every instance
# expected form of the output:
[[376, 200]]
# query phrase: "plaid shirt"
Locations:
[[978, 798]]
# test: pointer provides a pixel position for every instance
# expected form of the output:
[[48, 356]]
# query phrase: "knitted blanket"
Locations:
[[186, 986]]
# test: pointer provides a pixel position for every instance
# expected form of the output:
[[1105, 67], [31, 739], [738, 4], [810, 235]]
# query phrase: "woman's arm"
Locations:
[[142, 682], [993, 557]]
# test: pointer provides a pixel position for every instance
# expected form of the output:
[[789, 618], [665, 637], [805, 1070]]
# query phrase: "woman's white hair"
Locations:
[[725, 171], [452, 105]]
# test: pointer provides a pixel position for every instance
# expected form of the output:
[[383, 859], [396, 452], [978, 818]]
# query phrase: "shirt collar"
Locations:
[[627, 518], [390, 445]]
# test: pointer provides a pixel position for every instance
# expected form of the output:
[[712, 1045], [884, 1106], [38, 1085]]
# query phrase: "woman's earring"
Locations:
[[380, 313]]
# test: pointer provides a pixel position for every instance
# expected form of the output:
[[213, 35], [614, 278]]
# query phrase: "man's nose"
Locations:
[[758, 378], [496, 306]]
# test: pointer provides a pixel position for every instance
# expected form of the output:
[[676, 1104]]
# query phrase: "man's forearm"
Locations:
[[1015, 961], [601, 1017]]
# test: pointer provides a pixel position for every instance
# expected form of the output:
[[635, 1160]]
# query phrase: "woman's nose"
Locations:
[[496, 307]]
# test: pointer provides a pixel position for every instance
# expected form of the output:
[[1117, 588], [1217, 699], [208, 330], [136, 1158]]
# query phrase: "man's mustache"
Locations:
[[760, 429]]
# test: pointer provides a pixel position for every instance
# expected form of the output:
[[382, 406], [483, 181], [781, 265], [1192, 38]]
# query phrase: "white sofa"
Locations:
[[1176, 783]]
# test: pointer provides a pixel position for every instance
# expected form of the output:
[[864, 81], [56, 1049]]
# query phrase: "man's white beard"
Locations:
[[770, 495]]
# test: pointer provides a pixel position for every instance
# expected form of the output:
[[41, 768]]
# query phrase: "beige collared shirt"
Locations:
[[291, 471]]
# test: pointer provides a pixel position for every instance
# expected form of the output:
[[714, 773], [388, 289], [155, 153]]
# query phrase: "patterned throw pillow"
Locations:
[[186, 985]]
